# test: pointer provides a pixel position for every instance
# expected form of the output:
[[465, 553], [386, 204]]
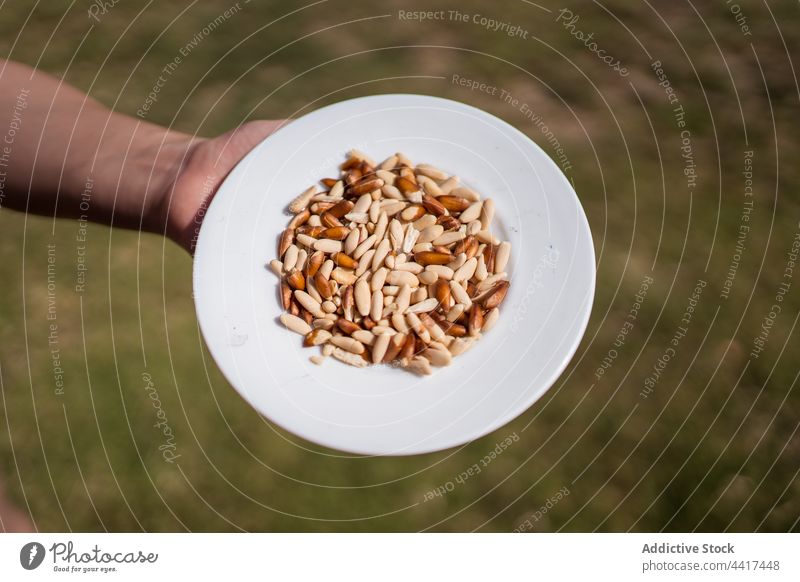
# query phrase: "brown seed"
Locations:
[[407, 351], [472, 289], [312, 231], [348, 302], [320, 207], [441, 290], [294, 308], [496, 295], [341, 208], [314, 262], [432, 205], [328, 182], [323, 285], [448, 222], [344, 261], [489, 254], [296, 280], [347, 326], [366, 186], [472, 248], [306, 315], [475, 320], [287, 238], [406, 185], [368, 323], [300, 219], [349, 163], [330, 220], [456, 330], [454, 203], [336, 233], [432, 258], [395, 345], [463, 245], [286, 295]]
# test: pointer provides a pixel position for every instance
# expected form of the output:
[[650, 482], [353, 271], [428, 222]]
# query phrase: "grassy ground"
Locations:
[[715, 446]]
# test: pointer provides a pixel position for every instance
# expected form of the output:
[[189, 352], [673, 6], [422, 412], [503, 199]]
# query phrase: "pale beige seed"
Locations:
[[409, 213], [322, 323], [324, 198], [424, 306], [418, 295], [309, 303], [390, 262], [301, 202], [414, 197], [301, 260], [364, 262], [415, 324], [317, 359], [464, 192], [328, 306], [410, 239], [442, 271], [379, 349], [385, 175], [402, 278], [419, 365], [431, 171], [480, 271], [490, 319], [380, 226], [489, 282], [378, 278], [436, 332], [396, 234], [357, 217], [403, 160], [455, 312], [314, 220], [449, 238], [432, 188], [473, 212], [438, 357], [400, 259], [374, 211], [362, 204], [388, 163], [392, 207], [376, 311], [501, 259], [363, 233], [486, 237], [391, 290], [364, 336], [295, 324], [290, 258], [428, 277], [327, 268], [422, 247], [359, 155], [399, 322], [424, 222], [337, 189], [276, 267], [305, 240], [327, 349], [466, 271], [351, 242], [347, 343], [327, 245], [473, 227], [364, 247], [460, 294], [460, 345], [381, 251], [311, 289], [322, 336], [431, 233], [391, 192], [383, 330], [487, 213], [362, 297], [415, 268], [457, 263], [448, 185], [349, 358], [343, 276], [403, 298]]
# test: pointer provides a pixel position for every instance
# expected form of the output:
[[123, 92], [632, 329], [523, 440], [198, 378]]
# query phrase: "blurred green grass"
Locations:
[[714, 447]]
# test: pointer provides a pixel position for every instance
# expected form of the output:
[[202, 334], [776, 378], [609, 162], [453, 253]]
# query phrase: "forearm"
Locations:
[[61, 147]]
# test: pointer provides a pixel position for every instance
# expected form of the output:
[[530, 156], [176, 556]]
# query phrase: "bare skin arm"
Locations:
[[55, 141]]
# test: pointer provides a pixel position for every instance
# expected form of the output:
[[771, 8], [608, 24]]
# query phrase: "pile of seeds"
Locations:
[[391, 263]]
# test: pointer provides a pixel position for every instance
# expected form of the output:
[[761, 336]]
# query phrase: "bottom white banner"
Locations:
[[353, 557]]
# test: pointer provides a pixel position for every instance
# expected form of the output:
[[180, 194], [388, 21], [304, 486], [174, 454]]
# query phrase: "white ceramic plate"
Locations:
[[384, 411]]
